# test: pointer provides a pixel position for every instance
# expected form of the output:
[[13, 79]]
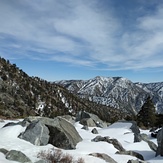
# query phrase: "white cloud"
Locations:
[[81, 32]]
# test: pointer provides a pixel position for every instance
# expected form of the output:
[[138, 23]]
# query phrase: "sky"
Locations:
[[81, 39]]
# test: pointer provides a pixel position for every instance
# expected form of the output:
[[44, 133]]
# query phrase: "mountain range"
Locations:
[[22, 95], [117, 92]]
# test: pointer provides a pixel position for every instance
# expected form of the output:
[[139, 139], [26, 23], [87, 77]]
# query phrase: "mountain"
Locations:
[[117, 92], [22, 95]]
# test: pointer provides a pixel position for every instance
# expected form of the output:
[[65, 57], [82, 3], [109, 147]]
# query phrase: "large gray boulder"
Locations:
[[36, 133], [63, 134], [58, 132], [17, 156], [160, 143]]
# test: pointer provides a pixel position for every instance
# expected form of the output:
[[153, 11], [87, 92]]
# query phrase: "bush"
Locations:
[[57, 156]]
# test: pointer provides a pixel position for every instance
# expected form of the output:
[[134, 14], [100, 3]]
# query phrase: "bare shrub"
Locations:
[[57, 156]]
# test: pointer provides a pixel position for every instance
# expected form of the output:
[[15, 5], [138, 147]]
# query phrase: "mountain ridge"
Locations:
[[117, 92]]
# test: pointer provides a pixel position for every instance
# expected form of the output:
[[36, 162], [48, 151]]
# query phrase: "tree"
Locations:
[[146, 115]]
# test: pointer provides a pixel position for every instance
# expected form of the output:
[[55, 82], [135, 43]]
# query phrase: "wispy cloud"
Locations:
[[87, 33]]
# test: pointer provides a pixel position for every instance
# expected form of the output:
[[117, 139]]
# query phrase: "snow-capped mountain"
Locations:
[[117, 92]]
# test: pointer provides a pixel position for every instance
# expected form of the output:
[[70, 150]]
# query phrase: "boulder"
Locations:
[[100, 138], [104, 157], [63, 134], [58, 132], [41, 161], [160, 143], [85, 128], [135, 161], [17, 156], [36, 133], [134, 128], [4, 151], [94, 131], [69, 118], [131, 153], [85, 115], [115, 142], [144, 137], [88, 122]]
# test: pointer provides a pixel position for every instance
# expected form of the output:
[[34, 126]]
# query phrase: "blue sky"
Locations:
[[81, 39]]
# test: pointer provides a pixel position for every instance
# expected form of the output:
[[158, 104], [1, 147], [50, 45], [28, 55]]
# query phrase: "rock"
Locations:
[[100, 138], [4, 151], [17, 156], [63, 134], [88, 122], [144, 137], [115, 142], [41, 161], [131, 153], [134, 128], [160, 143], [36, 133], [139, 137], [104, 157], [85, 128], [58, 132], [152, 145], [69, 118], [135, 161], [85, 115], [94, 131]]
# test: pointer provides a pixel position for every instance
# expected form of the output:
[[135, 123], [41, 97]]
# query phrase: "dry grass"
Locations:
[[57, 156]]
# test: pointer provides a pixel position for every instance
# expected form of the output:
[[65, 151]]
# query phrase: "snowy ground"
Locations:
[[120, 131]]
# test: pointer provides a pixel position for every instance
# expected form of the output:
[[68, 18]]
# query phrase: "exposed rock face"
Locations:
[[160, 143], [17, 156], [36, 133], [104, 157], [58, 132]]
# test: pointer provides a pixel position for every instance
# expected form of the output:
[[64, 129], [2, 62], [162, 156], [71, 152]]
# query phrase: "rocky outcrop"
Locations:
[[58, 132], [17, 156], [115, 142], [104, 157]]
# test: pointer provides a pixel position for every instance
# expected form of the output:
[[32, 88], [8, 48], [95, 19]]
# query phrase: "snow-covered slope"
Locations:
[[116, 92], [119, 130]]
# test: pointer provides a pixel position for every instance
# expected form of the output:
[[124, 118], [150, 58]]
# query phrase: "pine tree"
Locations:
[[146, 115]]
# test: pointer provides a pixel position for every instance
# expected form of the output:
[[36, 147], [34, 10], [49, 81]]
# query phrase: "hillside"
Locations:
[[22, 95], [117, 92]]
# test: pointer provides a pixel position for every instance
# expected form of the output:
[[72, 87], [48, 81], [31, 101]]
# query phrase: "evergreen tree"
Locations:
[[146, 115]]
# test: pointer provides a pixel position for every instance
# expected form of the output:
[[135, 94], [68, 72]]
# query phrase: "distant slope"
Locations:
[[22, 95], [117, 92]]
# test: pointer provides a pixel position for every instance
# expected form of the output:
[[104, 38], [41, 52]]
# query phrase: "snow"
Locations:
[[119, 130]]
